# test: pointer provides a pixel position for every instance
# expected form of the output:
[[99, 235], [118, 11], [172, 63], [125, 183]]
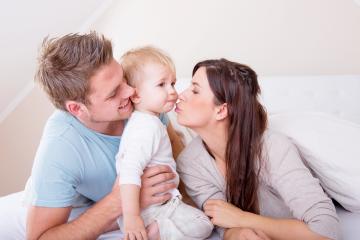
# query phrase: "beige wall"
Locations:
[[278, 37], [19, 137]]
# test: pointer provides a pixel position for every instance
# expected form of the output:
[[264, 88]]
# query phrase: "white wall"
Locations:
[[278, 37], [23, 25], [19, 137]]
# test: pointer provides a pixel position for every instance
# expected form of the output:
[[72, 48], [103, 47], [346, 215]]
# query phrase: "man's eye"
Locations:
[[112, 96]]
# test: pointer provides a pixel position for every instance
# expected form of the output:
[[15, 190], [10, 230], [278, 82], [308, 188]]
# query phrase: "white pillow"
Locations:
[[331, 148]]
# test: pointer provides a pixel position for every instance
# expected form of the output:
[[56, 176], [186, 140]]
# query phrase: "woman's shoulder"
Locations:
[[276, 142], [276, 150], [275, 137]]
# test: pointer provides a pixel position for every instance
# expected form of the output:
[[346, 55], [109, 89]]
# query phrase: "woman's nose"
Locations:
[[181, 96]]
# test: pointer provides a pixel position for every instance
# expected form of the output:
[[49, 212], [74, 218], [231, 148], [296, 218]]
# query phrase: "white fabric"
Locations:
[[13, 215], [144, 142], [337, 95], [13, 218], [177, 221], [331, 148]]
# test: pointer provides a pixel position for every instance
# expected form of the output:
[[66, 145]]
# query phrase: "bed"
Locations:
[[337, 95]]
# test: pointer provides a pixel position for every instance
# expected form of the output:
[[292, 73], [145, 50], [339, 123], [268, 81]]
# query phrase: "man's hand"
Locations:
[[154, 183]]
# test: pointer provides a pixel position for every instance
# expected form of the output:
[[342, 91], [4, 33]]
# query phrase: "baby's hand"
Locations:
[[134, 228]]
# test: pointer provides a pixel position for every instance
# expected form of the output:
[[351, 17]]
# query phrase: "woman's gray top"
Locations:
[[287, 187]]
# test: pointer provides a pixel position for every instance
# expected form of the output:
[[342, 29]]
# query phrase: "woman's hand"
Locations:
[[223, 214], [244, 234]]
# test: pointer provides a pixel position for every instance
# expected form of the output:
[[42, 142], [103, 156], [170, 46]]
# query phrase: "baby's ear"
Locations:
[[135, 98]]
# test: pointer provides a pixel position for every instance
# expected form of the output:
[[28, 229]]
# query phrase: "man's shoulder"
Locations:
[[63, 125], [57, 124], [61, 135]]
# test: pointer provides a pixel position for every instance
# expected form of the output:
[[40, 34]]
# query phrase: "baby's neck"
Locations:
[[147, 111]]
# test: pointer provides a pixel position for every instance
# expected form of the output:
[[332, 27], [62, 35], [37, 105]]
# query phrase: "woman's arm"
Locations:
[[226, 215], [282, 228], [293, 183], [244, 233]]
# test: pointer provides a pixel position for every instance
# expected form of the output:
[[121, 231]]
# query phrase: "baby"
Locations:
[[144, 143]]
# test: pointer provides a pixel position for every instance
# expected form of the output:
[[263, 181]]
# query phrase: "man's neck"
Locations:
[[114, 128]]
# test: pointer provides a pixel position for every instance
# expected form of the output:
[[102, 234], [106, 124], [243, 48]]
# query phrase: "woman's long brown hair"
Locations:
[[236, 85]]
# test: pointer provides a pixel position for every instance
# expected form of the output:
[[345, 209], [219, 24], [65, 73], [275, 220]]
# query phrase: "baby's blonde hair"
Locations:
[[134, 60]]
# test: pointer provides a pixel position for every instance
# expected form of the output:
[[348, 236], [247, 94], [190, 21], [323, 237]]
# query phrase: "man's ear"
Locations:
[[75, 108], [135, 98], [221, 111]]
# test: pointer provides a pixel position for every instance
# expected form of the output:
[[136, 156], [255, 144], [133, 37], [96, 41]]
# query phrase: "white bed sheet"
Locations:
[[12, 209]]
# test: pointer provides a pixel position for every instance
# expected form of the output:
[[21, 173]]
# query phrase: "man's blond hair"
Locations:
[[66, 64], [134, 60]]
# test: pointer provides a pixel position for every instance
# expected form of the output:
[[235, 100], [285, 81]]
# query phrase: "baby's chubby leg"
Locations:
[[153, 231]]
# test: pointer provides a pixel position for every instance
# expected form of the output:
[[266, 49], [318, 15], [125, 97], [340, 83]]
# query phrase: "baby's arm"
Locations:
[[133, 224], [139, 143]]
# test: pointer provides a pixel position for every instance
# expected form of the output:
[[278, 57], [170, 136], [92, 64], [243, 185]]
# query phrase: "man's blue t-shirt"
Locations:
[[73, 164]]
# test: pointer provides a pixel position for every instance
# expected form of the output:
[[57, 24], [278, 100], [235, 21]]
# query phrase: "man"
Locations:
[[75, 161]]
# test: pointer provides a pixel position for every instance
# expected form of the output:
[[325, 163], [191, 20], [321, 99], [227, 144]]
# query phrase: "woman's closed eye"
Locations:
[[194, 91]]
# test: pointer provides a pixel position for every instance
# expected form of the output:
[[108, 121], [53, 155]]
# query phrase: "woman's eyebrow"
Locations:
[[196, 84]]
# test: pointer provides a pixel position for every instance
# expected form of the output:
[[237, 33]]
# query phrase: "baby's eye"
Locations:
[[173, 84], [161, 84]]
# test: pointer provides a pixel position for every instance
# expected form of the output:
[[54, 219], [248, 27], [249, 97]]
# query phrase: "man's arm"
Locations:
[[51, 223]]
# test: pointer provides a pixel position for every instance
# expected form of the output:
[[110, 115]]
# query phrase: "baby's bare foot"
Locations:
[[153, 231]]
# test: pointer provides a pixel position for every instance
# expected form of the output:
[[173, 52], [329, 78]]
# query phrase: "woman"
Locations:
[[240, 173]]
